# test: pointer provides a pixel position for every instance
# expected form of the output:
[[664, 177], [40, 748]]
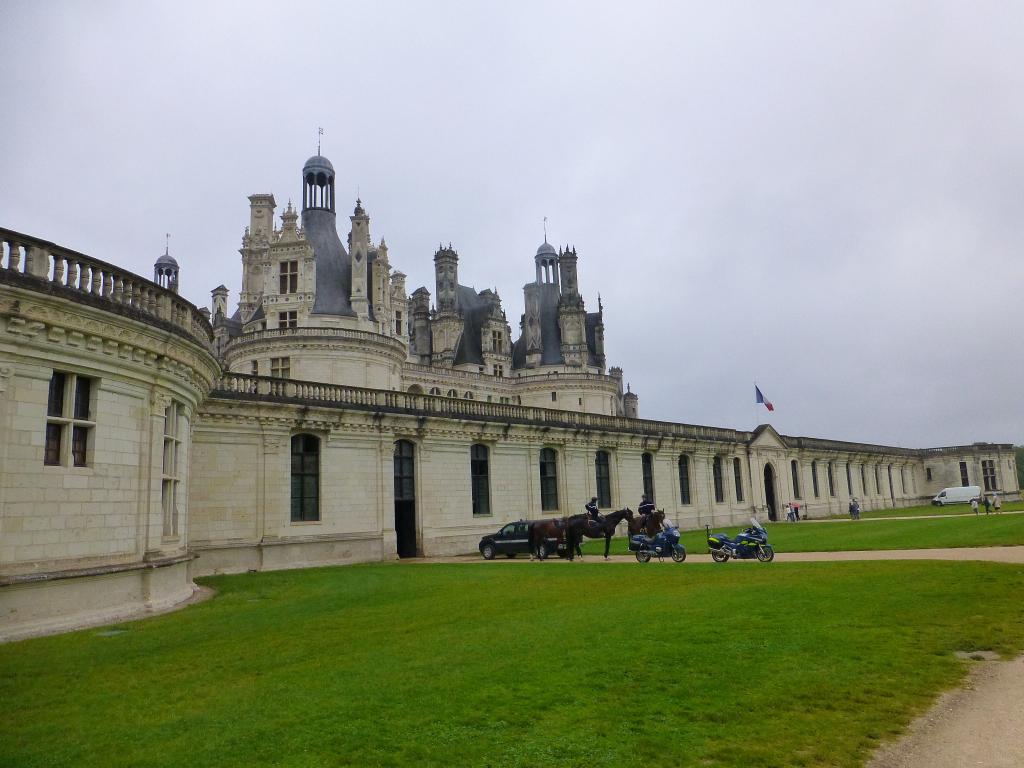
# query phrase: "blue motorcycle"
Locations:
[[665, 543], [751, 543]]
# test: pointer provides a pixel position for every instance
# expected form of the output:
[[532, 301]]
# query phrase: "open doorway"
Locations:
[[769, 492], [405, 498]]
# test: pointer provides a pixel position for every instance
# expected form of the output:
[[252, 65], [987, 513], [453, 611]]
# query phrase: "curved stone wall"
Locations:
[[101, 372]]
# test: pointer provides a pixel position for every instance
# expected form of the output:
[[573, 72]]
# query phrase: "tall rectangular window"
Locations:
[[289, 274], [737, 470], [305, 478], [716, 476], [602, 470], [684, 479], [480, 479], [398, 323], [964, 479], [863, 481], [849, 480], [548, 480], [647, 469], [281, 367], [794, 468], [497, 342], [988, 474], [878, 483], [814, 478], [288, 319], [170, 478], [831, 480], [255, 368], [69, 422]]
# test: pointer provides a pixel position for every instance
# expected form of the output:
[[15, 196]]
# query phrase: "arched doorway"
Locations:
[[405, 498], [769, 492]]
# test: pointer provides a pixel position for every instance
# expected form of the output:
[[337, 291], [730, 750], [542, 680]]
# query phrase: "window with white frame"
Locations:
[[288, 319], [69, 422], [170, 478], [281, 367]]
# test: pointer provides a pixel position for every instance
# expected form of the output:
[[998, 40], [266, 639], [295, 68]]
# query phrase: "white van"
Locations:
[[959, 495]]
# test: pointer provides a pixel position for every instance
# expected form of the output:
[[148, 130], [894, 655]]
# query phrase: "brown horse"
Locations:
[[541, 531], [579, 526], [655, 521]]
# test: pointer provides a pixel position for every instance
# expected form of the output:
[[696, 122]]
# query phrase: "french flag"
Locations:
[[762, 399]]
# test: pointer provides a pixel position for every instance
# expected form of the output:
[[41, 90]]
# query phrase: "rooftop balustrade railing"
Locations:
[[39, 264]]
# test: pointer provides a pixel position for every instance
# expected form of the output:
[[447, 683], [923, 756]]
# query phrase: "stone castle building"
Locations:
[[333, 418]]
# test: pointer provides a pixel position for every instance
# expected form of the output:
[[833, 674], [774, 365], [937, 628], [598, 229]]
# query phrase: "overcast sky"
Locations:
[[822, 197]]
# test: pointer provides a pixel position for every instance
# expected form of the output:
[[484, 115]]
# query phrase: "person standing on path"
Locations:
[[974, 506], [997, 502], [988, 505]]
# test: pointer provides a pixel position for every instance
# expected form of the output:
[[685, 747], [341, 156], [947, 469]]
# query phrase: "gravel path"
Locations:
[[980, 724]]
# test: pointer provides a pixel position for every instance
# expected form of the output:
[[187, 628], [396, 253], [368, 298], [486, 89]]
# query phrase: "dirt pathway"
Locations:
[[980, 724]]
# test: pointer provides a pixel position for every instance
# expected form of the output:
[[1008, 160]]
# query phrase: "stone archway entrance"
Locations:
[[769, 492]]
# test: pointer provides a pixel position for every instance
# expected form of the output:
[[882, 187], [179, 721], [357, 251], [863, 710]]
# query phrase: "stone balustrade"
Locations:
[[309, 392], [41, 265]]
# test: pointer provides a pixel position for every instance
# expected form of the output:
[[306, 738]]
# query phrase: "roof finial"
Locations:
[[320, 132], [167, 245], [545, 229]]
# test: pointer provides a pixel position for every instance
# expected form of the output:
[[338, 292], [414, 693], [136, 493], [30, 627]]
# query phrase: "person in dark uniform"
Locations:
[[592, 510], [646, 508]]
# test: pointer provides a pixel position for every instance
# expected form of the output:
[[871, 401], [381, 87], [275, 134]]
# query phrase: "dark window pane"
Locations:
[[716, 471], [79, 438], [738, 472], [82, 390], [647, 463], [602, 463], [684, 479], [55, 405], [53, 436]]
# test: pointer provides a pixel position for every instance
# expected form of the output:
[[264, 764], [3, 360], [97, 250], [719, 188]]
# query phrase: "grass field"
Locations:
[[923, 533], [808, 664], [928, 509]]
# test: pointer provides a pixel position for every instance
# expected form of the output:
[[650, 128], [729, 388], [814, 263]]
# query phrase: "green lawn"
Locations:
[[803, 664], [928, 509], [923, 533]]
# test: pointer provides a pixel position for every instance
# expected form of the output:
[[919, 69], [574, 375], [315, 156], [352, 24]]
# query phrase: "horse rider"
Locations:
[[645, 509], [592, 510]]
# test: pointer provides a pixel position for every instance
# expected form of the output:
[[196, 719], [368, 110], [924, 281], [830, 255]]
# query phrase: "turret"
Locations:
[[419, 307], [359, 248], [630, 404], [165, 271], [446, 275]]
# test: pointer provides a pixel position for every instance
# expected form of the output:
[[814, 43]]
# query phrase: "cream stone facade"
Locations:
[[332, 418]]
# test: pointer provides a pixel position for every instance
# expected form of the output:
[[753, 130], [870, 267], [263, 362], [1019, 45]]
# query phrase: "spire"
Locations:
[[545, 229], [319, 133], [359, 208]]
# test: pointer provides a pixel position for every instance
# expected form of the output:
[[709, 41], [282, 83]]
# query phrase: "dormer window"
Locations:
[[289, 277]]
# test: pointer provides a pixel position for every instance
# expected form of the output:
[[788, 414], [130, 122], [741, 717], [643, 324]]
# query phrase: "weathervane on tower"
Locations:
[[545, 229], [319, 133]]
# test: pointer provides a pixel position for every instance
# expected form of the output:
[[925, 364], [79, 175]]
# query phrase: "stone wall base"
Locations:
[[59, 602], [283, 555]]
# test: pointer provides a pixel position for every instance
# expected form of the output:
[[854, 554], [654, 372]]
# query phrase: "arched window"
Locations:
[[452, 393], [480, 477], [468, 396], [435, 391], [647, 466], [604, 479], [814, 478], [795, 469], [548, 480], [416, 389], [684, 479], [305, 478], [716, 475], [737, 470], [831, 481]]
